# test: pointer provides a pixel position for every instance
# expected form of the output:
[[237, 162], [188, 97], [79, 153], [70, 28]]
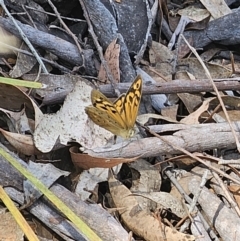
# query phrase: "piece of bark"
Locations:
[[106, 29], [68, 51], [224, 30], [58, 86], [132, 26], [9, 176], [97, 218], [178, 86], [49, 216], [193, 138]]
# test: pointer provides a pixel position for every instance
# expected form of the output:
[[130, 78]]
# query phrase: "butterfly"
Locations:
[[118, 117]]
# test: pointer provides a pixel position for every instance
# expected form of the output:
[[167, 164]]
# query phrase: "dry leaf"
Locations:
[[193, 118], [143, 119], [24, 63], [235, 190], [90, 179], [217, 8], [140, 221], [195, 13], [57, 86], [165, 200], [112, 59], [8, 38], [192, 65], [85, 161], [13, 97], [22, 143], [71, 123], [191, 101]]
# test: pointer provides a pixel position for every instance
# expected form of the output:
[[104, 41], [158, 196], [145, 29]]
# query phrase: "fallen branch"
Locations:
[[193, 138], [178, 86]]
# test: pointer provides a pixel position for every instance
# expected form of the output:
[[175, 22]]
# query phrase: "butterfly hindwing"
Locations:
[[102, 119], [120, 116], [102, 104]]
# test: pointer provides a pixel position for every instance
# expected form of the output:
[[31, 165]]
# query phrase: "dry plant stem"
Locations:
[[227, 162], [216, 90], [52, 14], [154, 11], [24, 37], [98, 46], [181, 221], [213, 112], [195, 198], [229, 198], [7, 64], [221, 162], [29, 17], [161, 226], [189, 201], [177, 33], [191, 155], [232, 63], [65, 26], [157, 73], [161, 19], [63, 69]]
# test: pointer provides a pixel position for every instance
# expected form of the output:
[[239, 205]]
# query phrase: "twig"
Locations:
[[24, 37], [227, 195], [178, 32], [99, 48], [216, 90], [66, 27], [63, 69], [29, 17], [195, 198], [177, 86], [189, 201], [52, 14], [190, 154]]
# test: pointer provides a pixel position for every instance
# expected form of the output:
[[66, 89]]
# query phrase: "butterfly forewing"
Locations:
[[128, 104], [132, 101], [119, 102]]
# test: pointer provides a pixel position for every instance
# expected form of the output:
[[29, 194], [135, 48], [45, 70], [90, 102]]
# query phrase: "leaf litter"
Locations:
[[146, 194]]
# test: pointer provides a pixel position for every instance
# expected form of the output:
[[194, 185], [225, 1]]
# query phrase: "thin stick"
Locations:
[[190, 154], [66, 27], [62, 68], [52, 14], [99, 48], [24, 37], [226, 192], [216, 90]]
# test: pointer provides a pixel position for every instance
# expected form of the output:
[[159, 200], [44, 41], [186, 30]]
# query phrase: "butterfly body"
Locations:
[[118, 117]]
